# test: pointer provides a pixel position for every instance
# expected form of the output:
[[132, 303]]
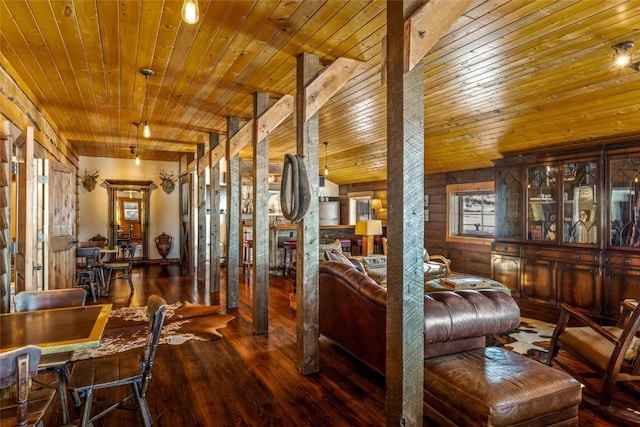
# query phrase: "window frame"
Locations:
[[453, 192]]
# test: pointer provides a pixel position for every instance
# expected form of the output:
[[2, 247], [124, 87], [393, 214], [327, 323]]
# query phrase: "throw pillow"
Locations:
[[328, 247], [337, 255]]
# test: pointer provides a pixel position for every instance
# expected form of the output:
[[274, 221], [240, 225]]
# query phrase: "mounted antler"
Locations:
[[167, 181], [89, 181]]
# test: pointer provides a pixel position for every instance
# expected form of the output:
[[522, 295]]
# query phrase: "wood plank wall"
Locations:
[[465, 258]]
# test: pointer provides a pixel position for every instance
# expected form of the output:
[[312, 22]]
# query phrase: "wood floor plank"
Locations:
[[245, 379]]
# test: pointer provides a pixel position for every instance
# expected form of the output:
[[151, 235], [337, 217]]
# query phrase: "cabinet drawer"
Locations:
[[562, 255], [506, 248], [629, 260]]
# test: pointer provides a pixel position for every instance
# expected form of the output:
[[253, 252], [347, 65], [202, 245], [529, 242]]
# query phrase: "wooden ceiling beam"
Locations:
[[427, 25], [330, 81], [317, 93]]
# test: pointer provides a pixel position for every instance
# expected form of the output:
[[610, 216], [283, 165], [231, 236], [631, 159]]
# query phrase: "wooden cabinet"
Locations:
[[568, 230]]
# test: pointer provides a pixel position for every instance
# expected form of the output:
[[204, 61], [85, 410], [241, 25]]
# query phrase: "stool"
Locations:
[[377, 245], [496, 387], [345, 244], [247, 257], [289, 249], [89, 277], [356, 243]]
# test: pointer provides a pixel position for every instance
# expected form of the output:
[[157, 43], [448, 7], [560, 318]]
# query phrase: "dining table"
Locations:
[[108, 251], [56, 330]]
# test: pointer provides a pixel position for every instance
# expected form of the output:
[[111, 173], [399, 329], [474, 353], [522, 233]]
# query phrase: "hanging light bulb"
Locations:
[[146, 130], [326, 167], [190, 11], [136, 147]]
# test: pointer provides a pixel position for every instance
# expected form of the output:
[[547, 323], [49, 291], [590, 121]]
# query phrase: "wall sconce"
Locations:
[[622, 56], [190, 11]]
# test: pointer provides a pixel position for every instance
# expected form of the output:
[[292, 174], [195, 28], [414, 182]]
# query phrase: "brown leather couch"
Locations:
[[453, 321], [466, 384]]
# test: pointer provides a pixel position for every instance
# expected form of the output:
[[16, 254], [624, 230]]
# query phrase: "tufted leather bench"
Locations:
[[495, 387]]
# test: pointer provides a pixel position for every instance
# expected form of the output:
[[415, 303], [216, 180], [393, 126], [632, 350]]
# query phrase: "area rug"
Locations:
[[531, 338], [126, 328]]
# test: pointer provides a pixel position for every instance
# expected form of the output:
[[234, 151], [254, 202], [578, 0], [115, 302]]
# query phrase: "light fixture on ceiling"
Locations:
[[136, 149], [326, 167], [190, 11], [622, 56], [146, 72]]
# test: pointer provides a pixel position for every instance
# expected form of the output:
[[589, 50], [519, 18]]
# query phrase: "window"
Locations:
[[471, 212]]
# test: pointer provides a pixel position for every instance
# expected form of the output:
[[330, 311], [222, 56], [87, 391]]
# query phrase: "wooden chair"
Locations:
[[91, 375], [55, 298], [125, 267], [58, 363], [89, 272], [608, 351], [25, 407], [123, 239]]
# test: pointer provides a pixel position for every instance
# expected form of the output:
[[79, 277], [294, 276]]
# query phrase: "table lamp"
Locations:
[[367, 229]]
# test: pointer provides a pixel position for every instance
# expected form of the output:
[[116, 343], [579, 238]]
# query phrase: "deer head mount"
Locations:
[[90, 178], [167, 181]]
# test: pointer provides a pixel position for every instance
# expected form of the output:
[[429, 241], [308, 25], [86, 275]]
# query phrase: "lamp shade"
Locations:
[[376, 204], [369, 227]]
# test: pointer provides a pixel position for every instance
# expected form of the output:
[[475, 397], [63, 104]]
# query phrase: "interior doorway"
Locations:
[[129, 207]]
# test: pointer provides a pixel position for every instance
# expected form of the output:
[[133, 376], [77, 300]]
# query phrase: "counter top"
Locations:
[[322, 227]]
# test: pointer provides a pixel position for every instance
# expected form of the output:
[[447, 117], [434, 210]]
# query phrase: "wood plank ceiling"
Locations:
[[509, 76]]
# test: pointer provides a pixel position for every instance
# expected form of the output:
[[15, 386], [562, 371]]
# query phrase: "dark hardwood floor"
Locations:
[[246, 379]]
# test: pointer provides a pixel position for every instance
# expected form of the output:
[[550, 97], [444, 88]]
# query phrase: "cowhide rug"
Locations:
[[531, 338], [126, 328]]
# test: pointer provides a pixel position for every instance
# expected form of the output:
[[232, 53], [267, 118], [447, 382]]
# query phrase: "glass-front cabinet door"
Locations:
[[508, 203], [579, 214], [541, 201], [624, 186]]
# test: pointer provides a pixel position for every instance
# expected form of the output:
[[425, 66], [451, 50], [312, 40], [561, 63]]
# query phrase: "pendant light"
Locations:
[[190, 11], [137, 153], [326, 168], [146, 72]]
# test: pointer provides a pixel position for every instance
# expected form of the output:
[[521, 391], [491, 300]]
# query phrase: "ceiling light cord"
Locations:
[[146, 130], [136, 149], [326, 156]]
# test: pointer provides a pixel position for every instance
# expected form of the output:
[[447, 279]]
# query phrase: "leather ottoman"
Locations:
[[496, 387]]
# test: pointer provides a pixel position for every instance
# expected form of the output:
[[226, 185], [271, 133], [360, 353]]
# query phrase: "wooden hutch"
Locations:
[[568, 230]]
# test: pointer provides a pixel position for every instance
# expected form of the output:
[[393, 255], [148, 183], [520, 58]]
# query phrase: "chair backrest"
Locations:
[[55, 298], [131, 252], [155, 313], [17, 367], [629, 321], [87, 252]]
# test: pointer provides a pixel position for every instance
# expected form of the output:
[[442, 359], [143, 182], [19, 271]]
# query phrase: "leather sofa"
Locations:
[[466, 383]]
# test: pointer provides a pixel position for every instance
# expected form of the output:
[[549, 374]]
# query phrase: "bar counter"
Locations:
[[278, 234]]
